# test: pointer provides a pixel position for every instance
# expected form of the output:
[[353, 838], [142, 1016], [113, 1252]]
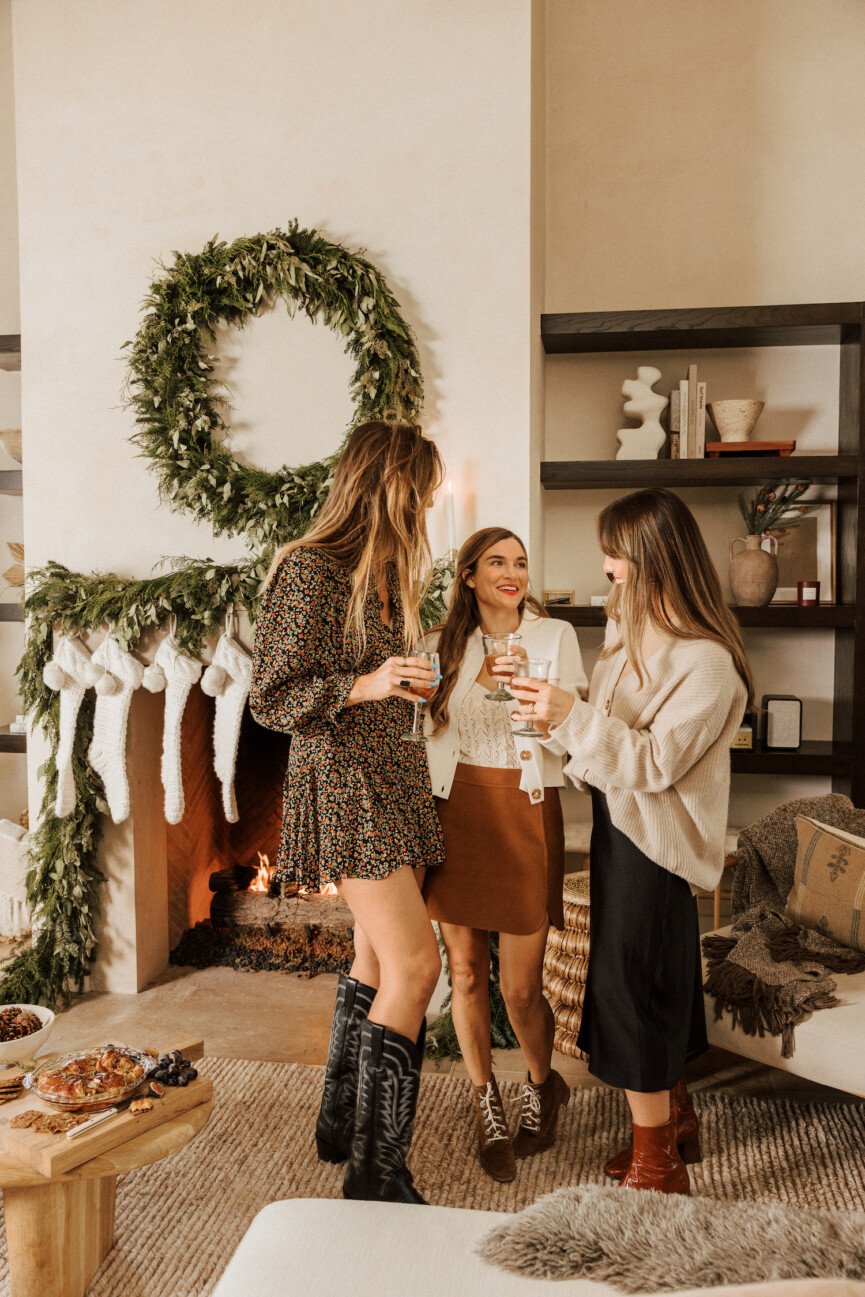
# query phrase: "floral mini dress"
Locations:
[[357, 800]]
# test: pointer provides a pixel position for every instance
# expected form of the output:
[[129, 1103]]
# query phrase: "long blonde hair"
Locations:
[[463, 615], [375, 515], [672, 580]]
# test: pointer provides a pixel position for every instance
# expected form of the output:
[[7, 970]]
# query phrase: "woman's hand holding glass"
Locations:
[[397, 677], [541, 702], [421, 693]]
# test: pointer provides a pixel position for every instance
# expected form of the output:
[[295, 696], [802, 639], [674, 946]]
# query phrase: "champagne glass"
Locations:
[[499, 646], [423, 694], [532, 669]]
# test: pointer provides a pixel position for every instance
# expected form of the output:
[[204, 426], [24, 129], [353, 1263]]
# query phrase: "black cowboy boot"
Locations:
[[335, 1126], [387, 1090]]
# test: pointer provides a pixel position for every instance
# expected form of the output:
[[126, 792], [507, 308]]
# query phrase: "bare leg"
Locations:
[[521, 969], [468, 951], [364, 967], [393, 918], [649, 1109]]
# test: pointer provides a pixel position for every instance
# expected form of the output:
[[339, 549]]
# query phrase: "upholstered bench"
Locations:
[[830, 1045], [328, 1248]]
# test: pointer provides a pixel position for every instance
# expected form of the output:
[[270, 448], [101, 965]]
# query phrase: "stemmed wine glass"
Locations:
[[425, 692], [532, 669], [499, 646]]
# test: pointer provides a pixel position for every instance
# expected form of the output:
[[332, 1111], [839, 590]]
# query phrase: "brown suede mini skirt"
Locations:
[[504, 855]]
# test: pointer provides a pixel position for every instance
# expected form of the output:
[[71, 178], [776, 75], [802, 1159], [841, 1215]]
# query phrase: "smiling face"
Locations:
[[500, 579]]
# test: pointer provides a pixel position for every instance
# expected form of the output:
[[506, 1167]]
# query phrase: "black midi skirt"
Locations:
[[643, 1014]]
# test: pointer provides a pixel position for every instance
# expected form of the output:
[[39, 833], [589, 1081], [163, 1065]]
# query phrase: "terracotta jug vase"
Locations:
[[753, 570]]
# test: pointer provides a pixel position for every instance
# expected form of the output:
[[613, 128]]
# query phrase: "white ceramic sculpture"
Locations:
[[642, 403]]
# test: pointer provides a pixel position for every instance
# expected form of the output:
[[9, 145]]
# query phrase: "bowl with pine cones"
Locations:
[[24, 1029]]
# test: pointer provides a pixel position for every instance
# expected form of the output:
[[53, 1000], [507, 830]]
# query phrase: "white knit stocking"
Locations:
[[66, 672], [176, 673], [228, 679], [121, 677]]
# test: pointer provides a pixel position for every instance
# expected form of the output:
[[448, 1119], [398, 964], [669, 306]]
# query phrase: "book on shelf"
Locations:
[[700, 430], [674, 445], [692, 412], [674, 410], [683, 418]]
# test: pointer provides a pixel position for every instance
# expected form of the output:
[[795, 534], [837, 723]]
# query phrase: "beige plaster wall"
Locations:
[[147, 127], [702, 154]]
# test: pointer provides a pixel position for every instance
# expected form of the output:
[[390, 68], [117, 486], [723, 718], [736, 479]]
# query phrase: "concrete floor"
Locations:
[[283, 1017]]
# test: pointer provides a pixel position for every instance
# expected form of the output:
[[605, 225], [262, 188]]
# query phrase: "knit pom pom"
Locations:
[[154, 680], [214, 681], [107, 684], [54, 676], [93, 672]]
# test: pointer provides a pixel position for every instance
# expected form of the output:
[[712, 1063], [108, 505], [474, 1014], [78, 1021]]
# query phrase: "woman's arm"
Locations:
[[290, 683], [606, 751]]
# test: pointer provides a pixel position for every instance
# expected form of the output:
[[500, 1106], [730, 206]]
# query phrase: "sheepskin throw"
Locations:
[[654, 1242]]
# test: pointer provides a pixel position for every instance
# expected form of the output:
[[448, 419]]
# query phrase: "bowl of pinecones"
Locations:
[[24, 1029]]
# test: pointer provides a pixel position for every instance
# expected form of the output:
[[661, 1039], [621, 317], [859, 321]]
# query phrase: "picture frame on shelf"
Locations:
[[807, 552], [559, 598]]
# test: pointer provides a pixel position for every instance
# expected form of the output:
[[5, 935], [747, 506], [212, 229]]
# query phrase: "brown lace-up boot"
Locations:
[[655, 1162], [495, 1150], [687, 1134], [540, 1113]]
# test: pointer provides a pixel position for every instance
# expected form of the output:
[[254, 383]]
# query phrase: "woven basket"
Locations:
[[566, 962]]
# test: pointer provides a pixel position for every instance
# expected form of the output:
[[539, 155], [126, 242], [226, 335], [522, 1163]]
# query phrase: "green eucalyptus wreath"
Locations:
[[173, 391]]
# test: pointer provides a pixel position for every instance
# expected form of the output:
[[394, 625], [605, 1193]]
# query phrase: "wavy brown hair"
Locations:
[[374, 516], [672, 581], [463, 615]]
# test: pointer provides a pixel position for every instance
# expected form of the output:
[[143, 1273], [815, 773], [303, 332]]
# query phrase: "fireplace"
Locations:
[[223, 908]]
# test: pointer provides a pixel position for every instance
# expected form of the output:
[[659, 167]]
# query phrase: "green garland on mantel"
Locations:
[[177, 404]]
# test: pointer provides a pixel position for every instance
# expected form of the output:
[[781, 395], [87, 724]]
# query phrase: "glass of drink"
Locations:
[[422, 694], [499, 646], [532, 669]]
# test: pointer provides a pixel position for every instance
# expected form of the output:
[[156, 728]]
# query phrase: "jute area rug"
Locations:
[[179, 1221]]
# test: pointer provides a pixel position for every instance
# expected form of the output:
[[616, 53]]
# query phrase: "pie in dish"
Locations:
[[97, 1076]]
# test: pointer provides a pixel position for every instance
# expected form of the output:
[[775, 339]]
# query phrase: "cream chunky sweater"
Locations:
[[661, 752]]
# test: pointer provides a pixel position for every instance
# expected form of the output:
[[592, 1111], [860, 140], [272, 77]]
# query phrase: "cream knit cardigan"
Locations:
[[661, 752]]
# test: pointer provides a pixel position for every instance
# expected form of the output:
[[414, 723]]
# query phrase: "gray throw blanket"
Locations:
[[769, 973]]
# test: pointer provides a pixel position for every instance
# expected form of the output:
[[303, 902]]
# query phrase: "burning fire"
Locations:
[[265, 871], [263, 875]]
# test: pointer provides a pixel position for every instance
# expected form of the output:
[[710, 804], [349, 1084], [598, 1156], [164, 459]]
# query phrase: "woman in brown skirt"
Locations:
[[498, 802]]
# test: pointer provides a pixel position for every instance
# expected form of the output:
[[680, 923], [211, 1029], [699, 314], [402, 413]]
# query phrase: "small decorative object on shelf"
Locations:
[[753, 570], [642, 403], [735, 420], [718, 449], [774, 509], [599, 600], [15, 574], [743, 739], [806, 555], [559, 598], [808, 594], [782, 722], [19, 725]]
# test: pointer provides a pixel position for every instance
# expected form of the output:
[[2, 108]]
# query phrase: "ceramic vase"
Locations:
[[753, 570]]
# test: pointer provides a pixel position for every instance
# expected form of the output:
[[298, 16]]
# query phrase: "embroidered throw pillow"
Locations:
[[829, 882]]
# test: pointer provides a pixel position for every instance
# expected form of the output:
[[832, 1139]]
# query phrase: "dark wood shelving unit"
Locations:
[[11, 612], [814, 757], [838, 324], [625, 474], [780, 616], [12, 742]]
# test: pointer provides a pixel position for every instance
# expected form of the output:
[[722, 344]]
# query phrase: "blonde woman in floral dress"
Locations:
[[334, 667]]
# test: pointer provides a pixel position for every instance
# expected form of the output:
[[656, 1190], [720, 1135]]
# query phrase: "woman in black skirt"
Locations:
[[652, 746]]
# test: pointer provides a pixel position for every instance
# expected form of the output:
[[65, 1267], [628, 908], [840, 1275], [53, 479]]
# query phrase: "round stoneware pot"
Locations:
[[753, 570]]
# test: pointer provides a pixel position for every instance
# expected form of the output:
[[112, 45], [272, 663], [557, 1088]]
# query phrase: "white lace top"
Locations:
[[485, 737]]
